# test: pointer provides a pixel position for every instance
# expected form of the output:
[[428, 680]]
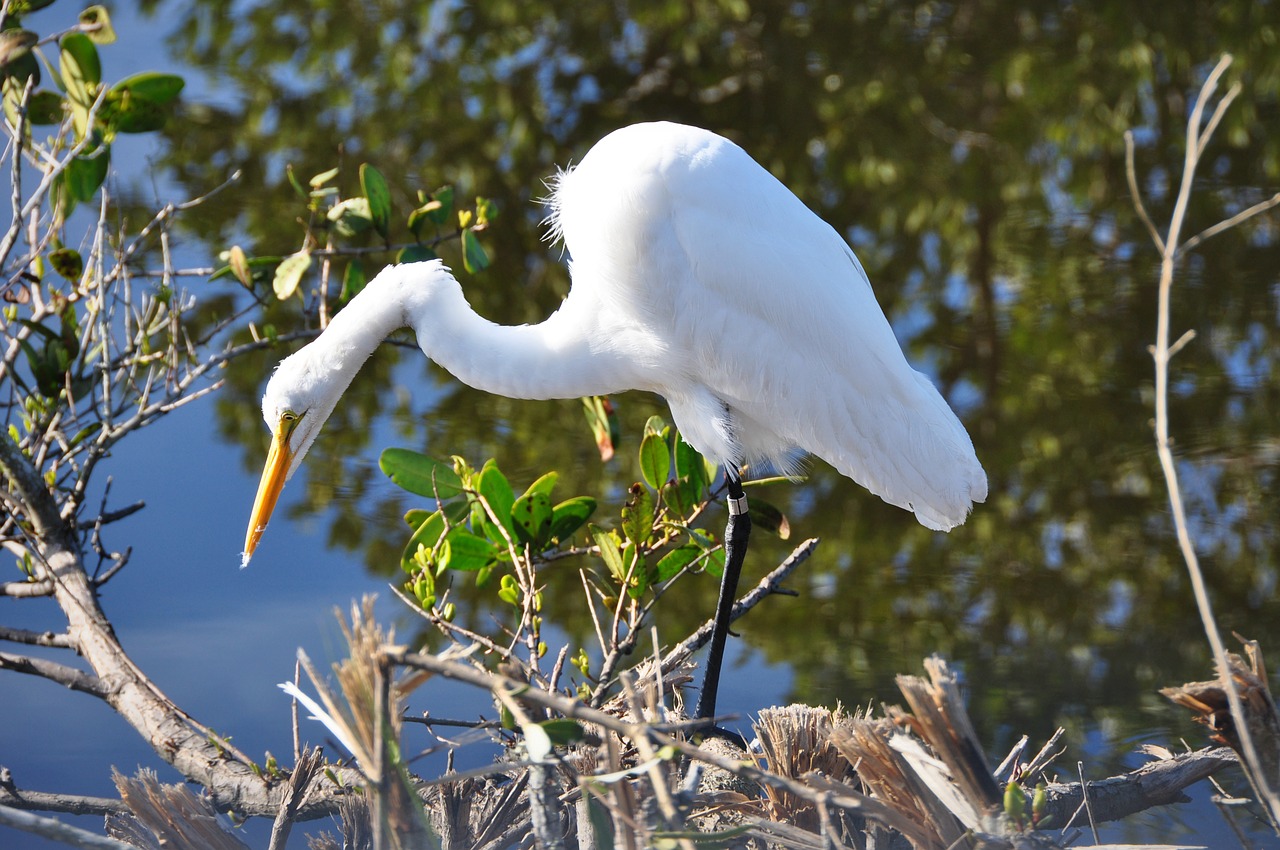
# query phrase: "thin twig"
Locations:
[[1197, 140], [59, 831]]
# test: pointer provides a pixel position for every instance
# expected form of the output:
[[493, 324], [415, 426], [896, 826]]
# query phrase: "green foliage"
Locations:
[[289, 274], [343, 224], [479, 525], [138, 104], [603, 421]]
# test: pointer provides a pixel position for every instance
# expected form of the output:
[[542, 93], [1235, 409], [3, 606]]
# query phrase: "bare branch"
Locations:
[[54, 639], [68, 677], [1156, 783], [59, 831], [1131, 175], [1227, 224], [44, 801], [304, 772], [1197, 139], [26, 589]]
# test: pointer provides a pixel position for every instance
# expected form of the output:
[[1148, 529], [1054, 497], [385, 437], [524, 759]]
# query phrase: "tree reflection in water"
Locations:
[[973, 154]]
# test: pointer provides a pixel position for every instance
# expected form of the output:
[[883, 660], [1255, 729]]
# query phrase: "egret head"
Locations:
[[297, 401]]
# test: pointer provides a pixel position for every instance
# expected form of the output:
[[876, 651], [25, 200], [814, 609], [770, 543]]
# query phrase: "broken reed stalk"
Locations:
[[1170, 249]]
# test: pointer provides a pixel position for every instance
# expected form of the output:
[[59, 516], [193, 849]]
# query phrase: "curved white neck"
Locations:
[[565, 356]]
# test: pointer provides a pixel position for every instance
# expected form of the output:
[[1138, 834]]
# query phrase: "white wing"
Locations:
[[755, 319]]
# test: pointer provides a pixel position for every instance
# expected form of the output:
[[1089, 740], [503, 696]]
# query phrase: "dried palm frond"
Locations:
[[795, 741], [166, 816], [367, 722]]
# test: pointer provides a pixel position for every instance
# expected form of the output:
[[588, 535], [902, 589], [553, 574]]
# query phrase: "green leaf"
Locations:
[[670, 564], [495, 488], [570, 515], [444, 212], [427, 533], [22, 7], [466, 552], [85, 433], [639, 581], [415, 254], [656, 425], [289, 274], [16, 43], [531, 515], [239, 264], [81, 68], [474, 258], [351, 217], [601, 821], [655, 460], [156, 87], [610, 552], [258, 266], [376, 191], [420, 474], [79, 76], [604, 424], [486, 211], [128, 113], [45, 108], [95, 21], [353, 280], [415, 517], [691, 473], [637, 515], [1015, 802], [562, 731], [545, 484], [293, 181], [140, 103], [422, 215], [509, 591], [768, 517], [86, 173], [714, 564], [68, 263]]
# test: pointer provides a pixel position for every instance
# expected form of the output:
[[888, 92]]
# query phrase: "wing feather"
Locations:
[[760, 311]]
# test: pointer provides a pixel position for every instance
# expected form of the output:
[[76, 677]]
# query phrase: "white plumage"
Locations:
[[698, 276], [755, 320]]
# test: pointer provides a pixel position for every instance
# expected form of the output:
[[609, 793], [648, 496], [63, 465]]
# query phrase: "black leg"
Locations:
[[735, 550]]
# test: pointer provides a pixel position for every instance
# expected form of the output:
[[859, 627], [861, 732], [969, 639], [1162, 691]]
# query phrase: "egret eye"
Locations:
[[288, 421]]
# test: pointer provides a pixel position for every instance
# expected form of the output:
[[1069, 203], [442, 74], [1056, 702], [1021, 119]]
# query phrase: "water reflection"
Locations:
[[973, 154]]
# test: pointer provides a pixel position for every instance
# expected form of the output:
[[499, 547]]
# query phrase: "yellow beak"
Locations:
[[273, 475]]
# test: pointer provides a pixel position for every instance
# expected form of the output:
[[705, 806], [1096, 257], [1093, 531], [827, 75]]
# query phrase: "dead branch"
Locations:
[[1156, 783], [1209, 703], [52, 639], [56, 830], [43, 801], [61, 674], [304, 773], [1171, 248]]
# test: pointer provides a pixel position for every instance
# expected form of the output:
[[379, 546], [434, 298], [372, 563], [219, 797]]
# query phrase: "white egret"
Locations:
[[698, 276]]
